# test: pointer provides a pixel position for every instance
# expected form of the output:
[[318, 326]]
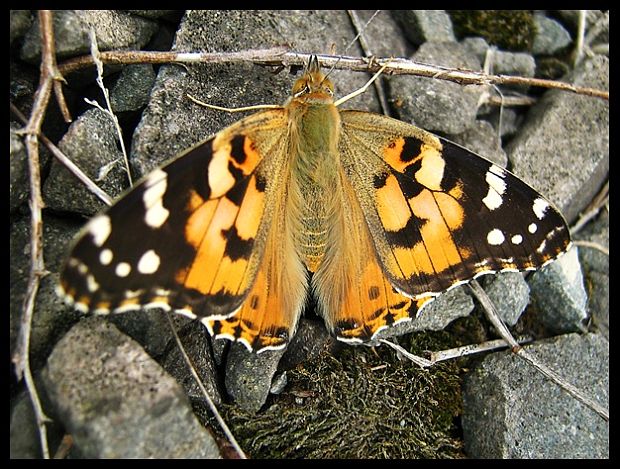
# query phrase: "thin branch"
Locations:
[[278, 58], [21, 357], [450, 354], [491, 312], [94, 50], [205, 393], [581, 30], [600, 200], [591, 244], [359, 27], [66, 162]]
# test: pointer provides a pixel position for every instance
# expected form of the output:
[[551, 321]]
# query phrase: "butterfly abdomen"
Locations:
[[314, 179]]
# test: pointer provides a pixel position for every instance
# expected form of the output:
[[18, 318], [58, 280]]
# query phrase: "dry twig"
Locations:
[[21, 357], [359, 27], [66, 162], [204, 391], [279, 57], [491, 312], [94, 50]]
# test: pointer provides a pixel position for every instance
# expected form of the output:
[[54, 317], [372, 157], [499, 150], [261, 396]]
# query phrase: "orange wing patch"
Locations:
[[259, 324], [219, 229], [356, 298], [372, 306], [270, 311]]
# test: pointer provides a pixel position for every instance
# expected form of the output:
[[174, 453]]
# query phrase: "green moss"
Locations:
[[508, 29], [363, 404]]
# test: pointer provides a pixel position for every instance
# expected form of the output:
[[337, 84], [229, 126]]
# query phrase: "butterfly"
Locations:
[[371, 216]]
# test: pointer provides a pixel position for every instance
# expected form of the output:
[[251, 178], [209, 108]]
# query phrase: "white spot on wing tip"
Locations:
[[122, 269], [149, 262], [156, 184], [105, 257], [495, 237], [516, 239], [100, 228], [539, 207]]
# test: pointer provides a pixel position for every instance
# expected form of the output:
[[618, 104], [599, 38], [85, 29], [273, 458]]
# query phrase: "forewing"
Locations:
[[189, 236], [439, 214]]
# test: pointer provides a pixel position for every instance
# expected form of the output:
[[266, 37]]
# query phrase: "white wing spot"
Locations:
[[156, 184], [105, 257], [495, 237], [542, 246], [497, 170], [497, 187], [123, 269], [91, 284], [100, 228], [540, 206], [148, 263], [532, 228], [516, 239]]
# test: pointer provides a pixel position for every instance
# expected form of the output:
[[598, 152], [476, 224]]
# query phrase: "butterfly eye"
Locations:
[[304, 90]]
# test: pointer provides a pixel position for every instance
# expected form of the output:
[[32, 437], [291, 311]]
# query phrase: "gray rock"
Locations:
[[513, 63], [249, 375], [478, 46], [550, 36], [508, 121], [18, 170], [512, 411], [152, 14], [445, 309], [91, 144], [309, 340], [510, 294], [422, 26], [435, 316], [195, 339], [114, 30], [483, 140], [119, 403], [595, 265], [132, 90], [562, 150], [381, 34], [560, 294], [25, 441], [51, 319], [438, 105], [570, 18], [20, 22], [24, 436]]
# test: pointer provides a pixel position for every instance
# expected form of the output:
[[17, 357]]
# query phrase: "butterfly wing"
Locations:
[[354, 296], [439, 215], [202, 223]]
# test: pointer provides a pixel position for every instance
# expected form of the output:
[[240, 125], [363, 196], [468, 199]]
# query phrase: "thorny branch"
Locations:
[[280, 57], [49, 75]]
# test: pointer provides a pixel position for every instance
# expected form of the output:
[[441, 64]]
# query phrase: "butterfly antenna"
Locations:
[[353, 41]]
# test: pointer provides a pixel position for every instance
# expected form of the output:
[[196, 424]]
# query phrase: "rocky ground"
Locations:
[[119, 386]]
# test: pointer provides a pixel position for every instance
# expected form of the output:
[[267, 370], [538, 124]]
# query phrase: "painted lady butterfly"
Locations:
[[371, 216]]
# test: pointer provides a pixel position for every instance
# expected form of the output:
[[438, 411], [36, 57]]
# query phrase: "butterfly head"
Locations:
[[313, 84]]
